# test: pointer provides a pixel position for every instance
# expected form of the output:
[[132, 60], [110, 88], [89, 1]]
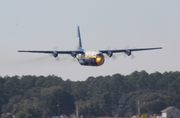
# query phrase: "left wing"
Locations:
[[127, 51]]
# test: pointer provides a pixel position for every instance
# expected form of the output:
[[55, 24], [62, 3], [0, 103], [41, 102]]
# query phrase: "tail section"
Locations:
[[79, 43]]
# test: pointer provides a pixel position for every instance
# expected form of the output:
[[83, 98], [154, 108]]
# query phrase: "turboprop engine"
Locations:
[[73, 54], [55, 54], [128, 52], [109, 54]]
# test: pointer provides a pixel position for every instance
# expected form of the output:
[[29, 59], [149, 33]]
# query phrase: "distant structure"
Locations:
[[170, 112]]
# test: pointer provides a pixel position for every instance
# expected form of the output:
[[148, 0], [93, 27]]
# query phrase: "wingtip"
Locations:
[[158, 48], [21, 51]]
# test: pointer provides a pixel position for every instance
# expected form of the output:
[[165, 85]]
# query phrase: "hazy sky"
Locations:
[[45, 24]]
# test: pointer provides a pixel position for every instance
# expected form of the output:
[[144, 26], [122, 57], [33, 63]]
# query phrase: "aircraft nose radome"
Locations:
[[99, 60]]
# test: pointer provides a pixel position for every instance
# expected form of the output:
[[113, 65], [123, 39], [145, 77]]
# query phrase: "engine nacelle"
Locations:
[[128, 52], [109, 54], [73, 54], [55, 54]]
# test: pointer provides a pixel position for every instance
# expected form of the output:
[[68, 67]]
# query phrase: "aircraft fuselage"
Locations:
[[93, 58]]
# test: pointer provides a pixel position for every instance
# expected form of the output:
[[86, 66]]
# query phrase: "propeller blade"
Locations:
[[132, 56]]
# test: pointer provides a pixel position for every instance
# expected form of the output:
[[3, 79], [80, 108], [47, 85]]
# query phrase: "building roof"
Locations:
[[167, 109]]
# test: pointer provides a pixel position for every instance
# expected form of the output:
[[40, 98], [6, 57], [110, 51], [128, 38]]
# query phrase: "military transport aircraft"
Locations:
[[89, 58]]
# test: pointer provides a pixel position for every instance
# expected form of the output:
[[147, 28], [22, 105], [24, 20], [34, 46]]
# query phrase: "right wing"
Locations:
[[55, 53], [50, 52]]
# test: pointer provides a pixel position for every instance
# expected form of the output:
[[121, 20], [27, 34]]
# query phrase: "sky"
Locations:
[[110, 24]]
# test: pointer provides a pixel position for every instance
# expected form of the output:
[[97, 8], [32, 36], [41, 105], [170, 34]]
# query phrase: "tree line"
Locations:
[[44, 97]]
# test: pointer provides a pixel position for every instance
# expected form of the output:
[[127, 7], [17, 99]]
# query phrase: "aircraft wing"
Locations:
[[50, 52], [128, 50], [55, 53]]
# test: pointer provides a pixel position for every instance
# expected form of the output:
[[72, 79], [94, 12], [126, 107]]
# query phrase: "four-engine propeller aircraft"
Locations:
[[89, 58]]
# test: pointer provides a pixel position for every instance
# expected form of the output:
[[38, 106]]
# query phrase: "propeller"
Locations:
[[55, 48], [62, 57], [116, 55], [73, 59], [132, 56]]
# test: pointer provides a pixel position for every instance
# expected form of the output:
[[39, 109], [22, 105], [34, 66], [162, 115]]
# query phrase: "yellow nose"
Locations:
[[99, 60]]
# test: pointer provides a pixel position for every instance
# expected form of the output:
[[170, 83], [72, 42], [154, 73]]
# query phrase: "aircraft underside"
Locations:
[[91, 61]]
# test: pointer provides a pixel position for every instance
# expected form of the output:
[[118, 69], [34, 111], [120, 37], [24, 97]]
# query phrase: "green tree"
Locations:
[[60, 98], [21, 114]]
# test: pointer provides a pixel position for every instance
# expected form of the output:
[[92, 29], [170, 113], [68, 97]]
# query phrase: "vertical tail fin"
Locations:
[[79, 44]]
